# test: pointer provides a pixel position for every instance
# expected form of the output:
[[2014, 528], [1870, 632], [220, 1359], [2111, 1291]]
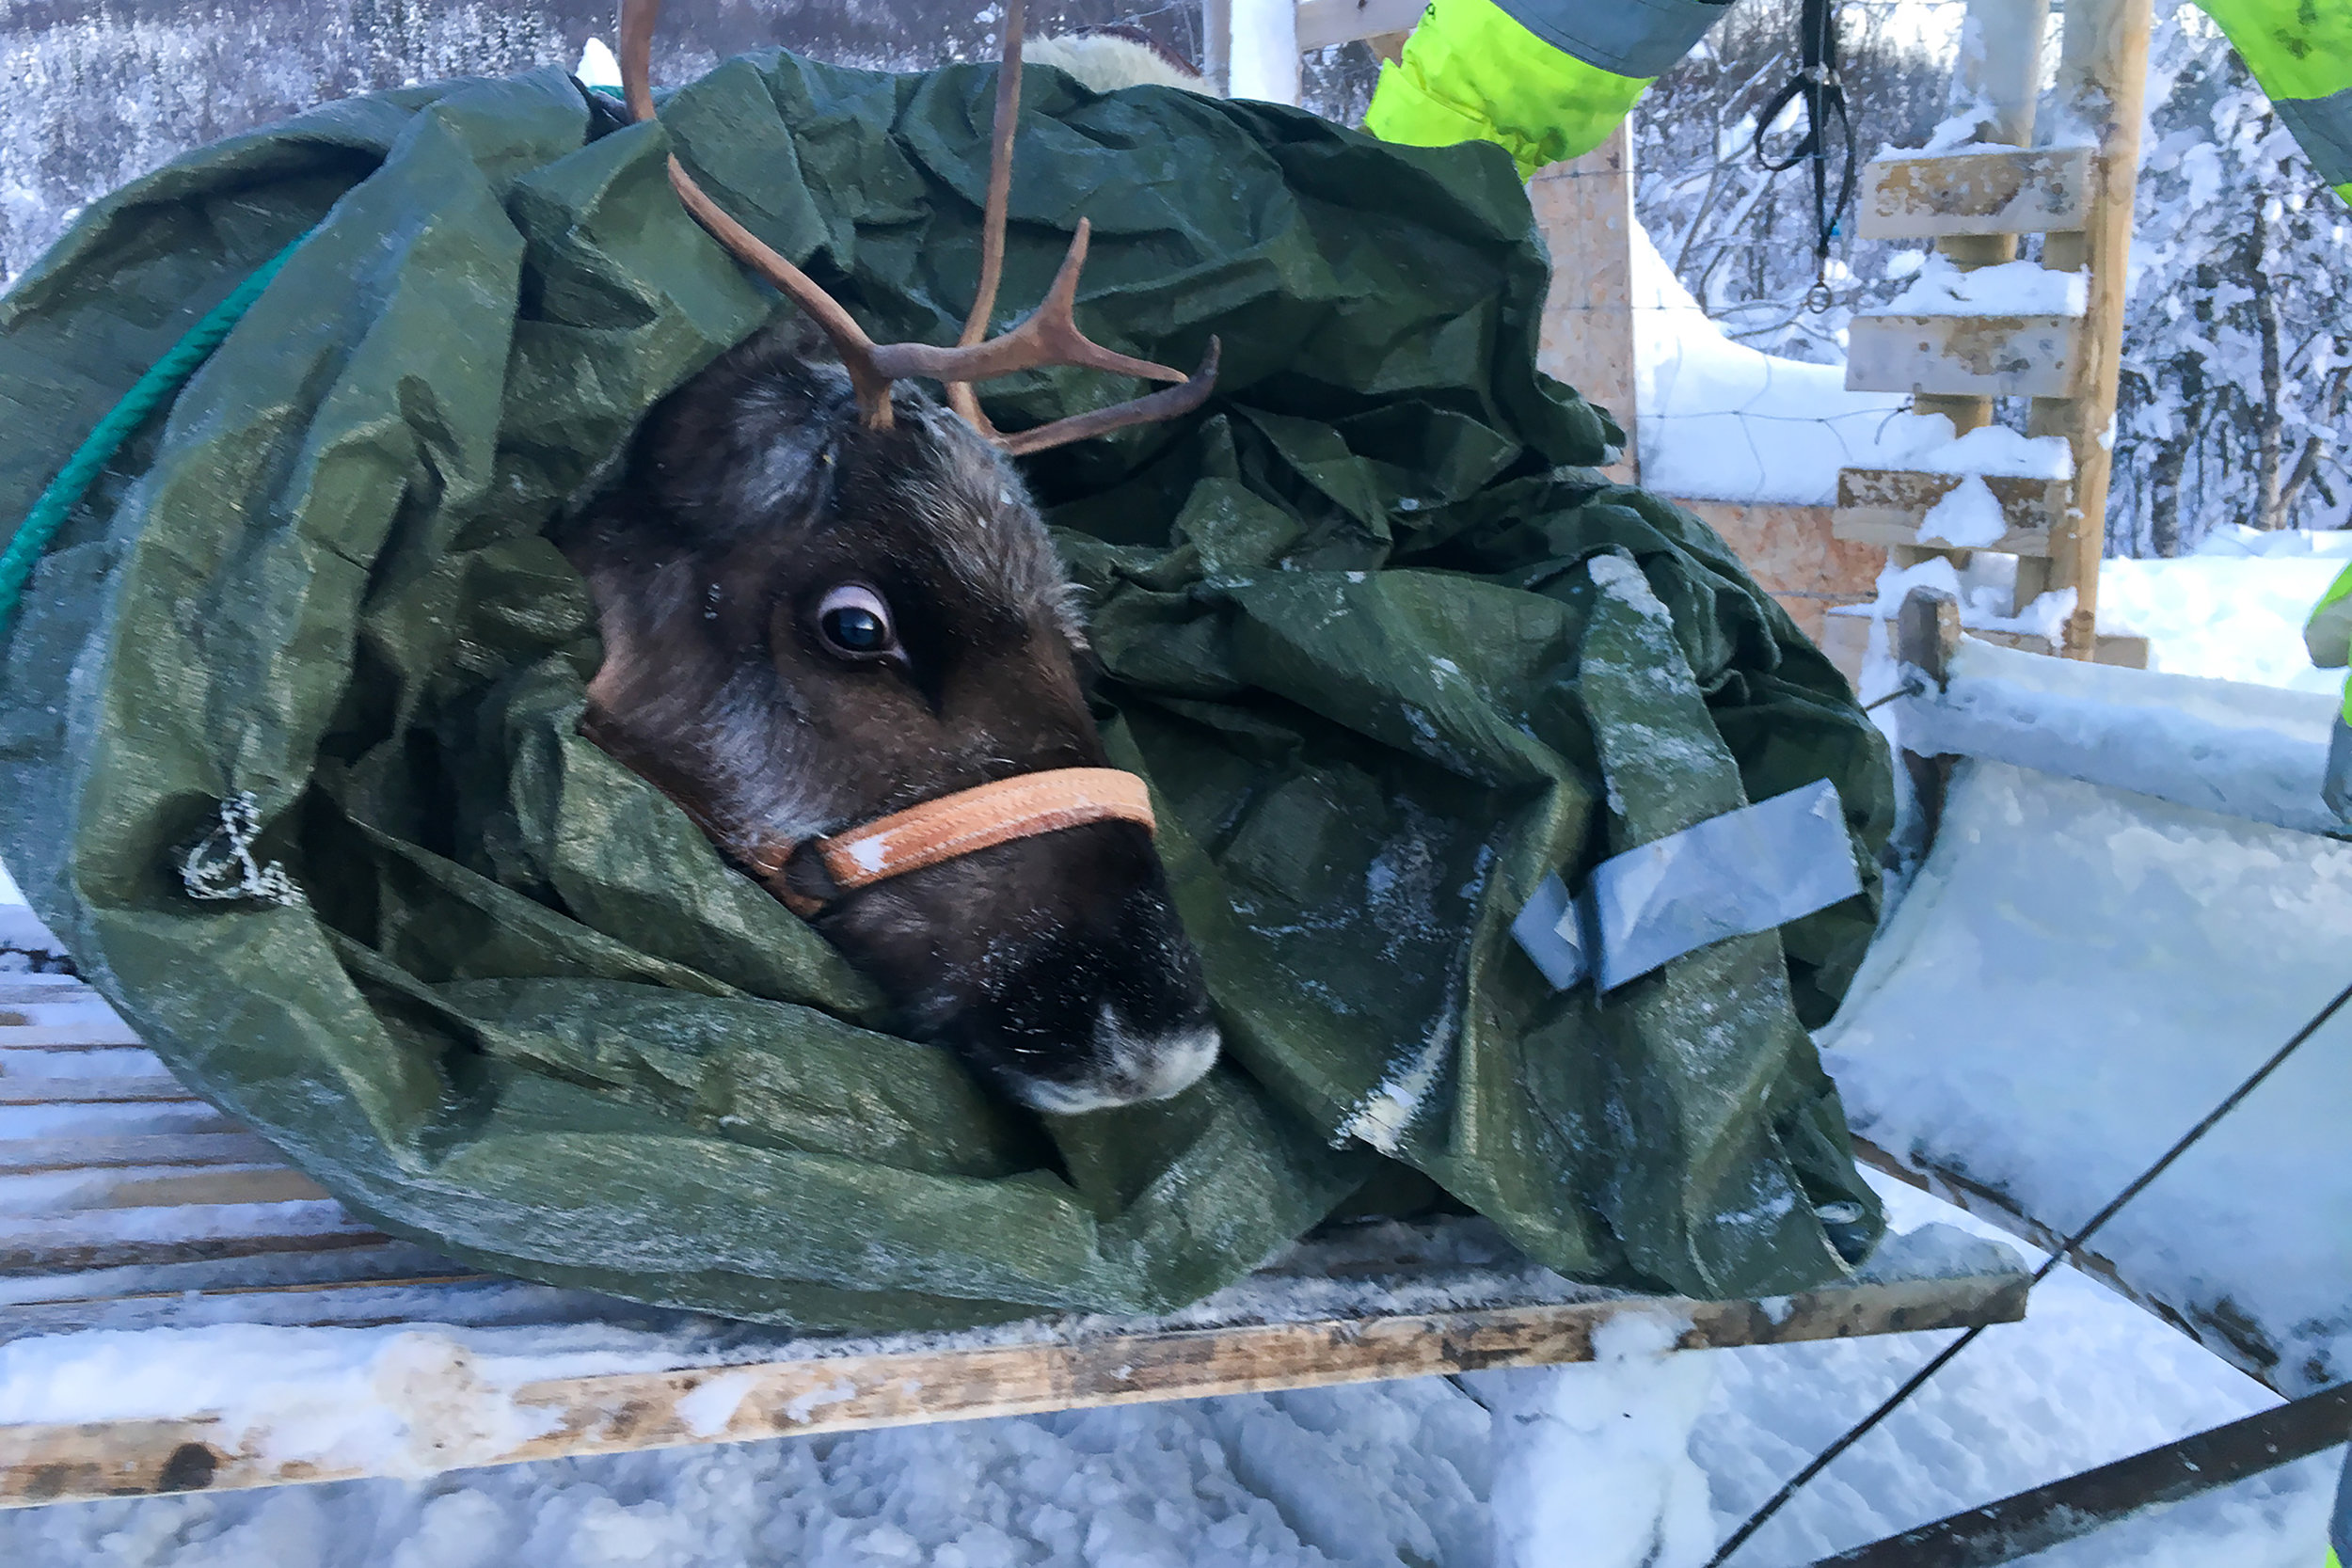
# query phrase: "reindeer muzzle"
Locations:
[[971, 820]]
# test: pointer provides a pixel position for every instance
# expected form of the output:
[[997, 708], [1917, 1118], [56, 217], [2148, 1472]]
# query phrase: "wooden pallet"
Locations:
[[127, 1204]]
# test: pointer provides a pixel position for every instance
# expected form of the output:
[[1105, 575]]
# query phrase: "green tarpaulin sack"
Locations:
[[510, 1004]]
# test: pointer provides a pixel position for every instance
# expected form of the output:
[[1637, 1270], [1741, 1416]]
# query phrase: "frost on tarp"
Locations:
[[528, 1015]]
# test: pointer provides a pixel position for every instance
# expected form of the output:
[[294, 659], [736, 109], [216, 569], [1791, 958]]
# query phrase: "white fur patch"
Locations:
[[1106, 62]]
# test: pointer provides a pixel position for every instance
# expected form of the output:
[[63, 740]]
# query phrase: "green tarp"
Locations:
[[529, 1015]]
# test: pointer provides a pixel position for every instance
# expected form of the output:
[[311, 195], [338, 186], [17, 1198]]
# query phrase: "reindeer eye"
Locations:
[[855, 624]]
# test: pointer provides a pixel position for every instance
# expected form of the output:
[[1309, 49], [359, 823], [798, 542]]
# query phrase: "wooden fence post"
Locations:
[[2102, 84], [2001, 68]]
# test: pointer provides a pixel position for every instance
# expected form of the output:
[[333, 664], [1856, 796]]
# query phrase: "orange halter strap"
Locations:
[[953, 825]]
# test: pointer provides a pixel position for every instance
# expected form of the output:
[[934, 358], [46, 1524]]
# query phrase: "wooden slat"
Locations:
[[1941, 196], [135, 1118], [836, 1393], [437, 1300], [18, 988], [2026, 1524], [1976, 355], [1886, 506], [76, 1020], [1325, 23], [125, 1089], [177, 1287], [126, 1238], [2124, 650], [151, 1148], [149, 1187]]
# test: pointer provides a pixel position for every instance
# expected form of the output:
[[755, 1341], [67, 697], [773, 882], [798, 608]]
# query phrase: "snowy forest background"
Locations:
[[2236, 400]]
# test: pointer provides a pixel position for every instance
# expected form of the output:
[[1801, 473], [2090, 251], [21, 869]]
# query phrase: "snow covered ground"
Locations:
[[2234, 611]]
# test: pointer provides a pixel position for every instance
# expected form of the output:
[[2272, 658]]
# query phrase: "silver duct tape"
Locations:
[[1550, 931], [1746, 871], [1731, 876]]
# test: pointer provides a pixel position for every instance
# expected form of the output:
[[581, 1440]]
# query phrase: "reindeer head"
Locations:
[[827, 598]]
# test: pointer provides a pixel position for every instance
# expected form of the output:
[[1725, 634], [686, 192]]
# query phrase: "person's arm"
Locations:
[[2329, 633], [2300, 53], [1545, 79]]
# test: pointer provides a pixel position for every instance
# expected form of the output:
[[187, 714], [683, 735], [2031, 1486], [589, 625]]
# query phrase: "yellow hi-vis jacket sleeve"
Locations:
[[1549, 79], [2300, 52], [2327, 635]]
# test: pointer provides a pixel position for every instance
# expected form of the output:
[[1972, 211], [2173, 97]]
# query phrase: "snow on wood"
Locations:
[[1893, 507], [1265, 59], [821, 1389], [2008, 192], [1323, 24], [1985, 356], [1943, 288]]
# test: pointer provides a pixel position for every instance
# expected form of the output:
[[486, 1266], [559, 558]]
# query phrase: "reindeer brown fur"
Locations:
[[825, 597]]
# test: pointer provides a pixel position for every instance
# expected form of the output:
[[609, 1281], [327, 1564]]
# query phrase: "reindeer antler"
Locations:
[[1049, 336]]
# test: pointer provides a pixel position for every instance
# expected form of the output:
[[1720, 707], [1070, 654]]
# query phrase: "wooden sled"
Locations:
[[127, 1204]]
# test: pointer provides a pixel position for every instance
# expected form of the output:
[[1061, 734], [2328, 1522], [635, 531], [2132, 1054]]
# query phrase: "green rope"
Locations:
[[158, 387]]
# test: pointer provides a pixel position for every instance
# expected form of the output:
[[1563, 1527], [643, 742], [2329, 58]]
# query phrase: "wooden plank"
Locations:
[[1932, 197], [149, 1187], [73, 1020], [1886, 506], [177, 1286], [125, 1089], [1973, 355], [2026, 1524], [2124, 650], [16, 989], [135, 1118], [148, 1148], [127, 1238], [962, 1382], [438, 1301], [1323, 24]]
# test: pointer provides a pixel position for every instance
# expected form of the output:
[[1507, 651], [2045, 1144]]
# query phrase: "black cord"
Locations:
[[1909, 688], [1824, 93], [1756, 1521]]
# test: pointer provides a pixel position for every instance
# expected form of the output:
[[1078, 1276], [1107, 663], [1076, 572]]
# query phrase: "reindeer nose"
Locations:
[[1142, 1064], [1130, 1068], [1109, 1009]]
